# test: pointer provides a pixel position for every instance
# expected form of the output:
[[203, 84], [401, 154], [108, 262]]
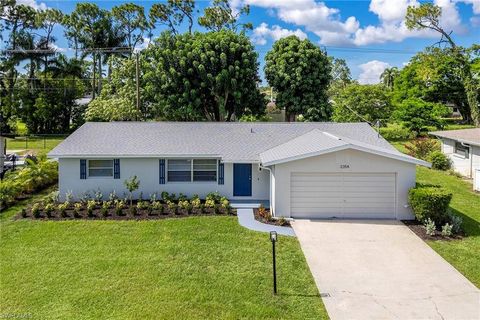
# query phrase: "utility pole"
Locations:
[[137, 79], [94, 86]]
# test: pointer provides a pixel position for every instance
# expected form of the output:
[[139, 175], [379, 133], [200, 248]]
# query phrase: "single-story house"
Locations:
[[304, 170], [463, 149]]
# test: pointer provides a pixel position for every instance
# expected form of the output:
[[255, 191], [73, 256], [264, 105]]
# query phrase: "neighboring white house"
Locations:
[[304, 170], [463, 148]]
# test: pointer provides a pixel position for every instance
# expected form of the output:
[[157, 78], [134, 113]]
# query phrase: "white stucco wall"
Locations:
[[358, 161], [147, 171], [465, 167]]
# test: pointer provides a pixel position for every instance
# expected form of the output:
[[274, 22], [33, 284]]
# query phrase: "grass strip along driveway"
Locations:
[[189, 268], [462, 254]]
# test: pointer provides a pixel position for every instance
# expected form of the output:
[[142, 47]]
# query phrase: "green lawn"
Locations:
[[34, 144], [189, 268], [462, 254]]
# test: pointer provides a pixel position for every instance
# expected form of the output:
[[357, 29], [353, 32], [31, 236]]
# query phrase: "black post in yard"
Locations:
[[273, 238]]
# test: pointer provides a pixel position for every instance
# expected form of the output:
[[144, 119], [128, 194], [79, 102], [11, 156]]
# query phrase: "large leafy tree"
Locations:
[[417, 115], [204, 76], [358, 102], [299, 72], [427, 16], [434, 75]]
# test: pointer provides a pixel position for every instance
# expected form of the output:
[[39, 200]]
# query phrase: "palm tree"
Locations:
[[388, 77]]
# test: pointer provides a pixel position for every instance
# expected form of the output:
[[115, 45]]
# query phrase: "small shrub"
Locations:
[[77, 207], [282, 221], [447, 230], [172, 206], [153, 197], [196, 202], [133, 210], [456, 222], [36, 210], [143, 205], [62, 208], [24, 213], [430, 203], [396, 132], [224, 203], [90, 207], [52, 197], [214, 196], [49, 208], [422, 147], [430, 227], [85, 197], [210, 203], [184, 204], [104, 209], [439, 161], [119, 206], [157, 206], [264, 213]]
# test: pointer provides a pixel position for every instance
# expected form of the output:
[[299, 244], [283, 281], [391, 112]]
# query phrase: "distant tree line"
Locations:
[[212, 75]]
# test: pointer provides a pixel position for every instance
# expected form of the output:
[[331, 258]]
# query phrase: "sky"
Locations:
[[369, 34]]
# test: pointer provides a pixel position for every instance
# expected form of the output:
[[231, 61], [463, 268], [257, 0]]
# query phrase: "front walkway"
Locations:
[[246, 219], [381, 270]]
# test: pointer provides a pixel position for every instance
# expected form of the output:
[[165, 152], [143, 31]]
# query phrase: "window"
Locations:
[[187, 170], [100, 168], [179, 170], [461, 150], [204, 170]]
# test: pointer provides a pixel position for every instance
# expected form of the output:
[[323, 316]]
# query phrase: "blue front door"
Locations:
[[242, 179]]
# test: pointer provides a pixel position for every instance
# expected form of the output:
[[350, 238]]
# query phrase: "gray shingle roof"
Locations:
[[242, 141], [470, 136], [317, 142]]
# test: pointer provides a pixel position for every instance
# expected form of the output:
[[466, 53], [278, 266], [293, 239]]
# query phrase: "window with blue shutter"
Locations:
[[221, 173], [83, 169], [116, 168], [162, 171]]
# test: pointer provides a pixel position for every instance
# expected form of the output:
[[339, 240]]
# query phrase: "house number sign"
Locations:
[[344, 166]]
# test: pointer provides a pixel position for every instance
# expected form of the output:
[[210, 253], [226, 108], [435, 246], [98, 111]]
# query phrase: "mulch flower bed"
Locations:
[[420, 230], [127, 213], [263, 215]]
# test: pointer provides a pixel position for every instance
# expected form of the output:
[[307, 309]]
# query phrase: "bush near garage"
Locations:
[[430, 203], [439, 161]]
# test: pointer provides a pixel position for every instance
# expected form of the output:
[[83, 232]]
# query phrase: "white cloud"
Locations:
[[475, 21], [33, 3], [262, 33], [315, 16], [371, 71], [332, 29]]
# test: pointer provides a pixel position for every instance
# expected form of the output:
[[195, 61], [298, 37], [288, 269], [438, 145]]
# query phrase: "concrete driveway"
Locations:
[[382, 270]]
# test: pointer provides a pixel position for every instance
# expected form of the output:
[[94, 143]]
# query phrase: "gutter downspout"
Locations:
[[271, 193]]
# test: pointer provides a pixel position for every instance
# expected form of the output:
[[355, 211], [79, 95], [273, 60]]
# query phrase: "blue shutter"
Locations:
[[221, 172], [162, 171], [116, 168], [83, 169]]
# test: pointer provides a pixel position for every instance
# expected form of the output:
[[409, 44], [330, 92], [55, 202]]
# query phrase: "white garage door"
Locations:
[[342, 195]]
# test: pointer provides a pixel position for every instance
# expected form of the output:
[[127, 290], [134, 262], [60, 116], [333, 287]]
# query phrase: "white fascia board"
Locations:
[[399, 157]]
